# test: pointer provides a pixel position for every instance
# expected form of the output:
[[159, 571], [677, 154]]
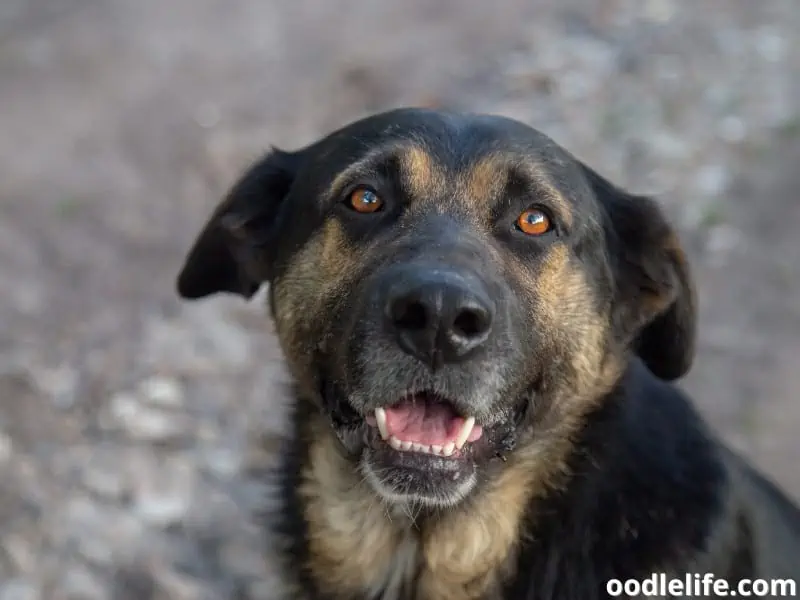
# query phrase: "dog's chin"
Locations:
[[402, 477]]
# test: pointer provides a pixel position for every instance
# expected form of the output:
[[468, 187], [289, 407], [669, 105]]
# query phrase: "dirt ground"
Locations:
[[134, 428]]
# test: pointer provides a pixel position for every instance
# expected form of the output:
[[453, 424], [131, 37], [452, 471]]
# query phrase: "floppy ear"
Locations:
[[655, 300], [232, 254]]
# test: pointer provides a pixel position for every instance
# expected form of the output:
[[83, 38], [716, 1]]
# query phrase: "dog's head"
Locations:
[[448, 289]]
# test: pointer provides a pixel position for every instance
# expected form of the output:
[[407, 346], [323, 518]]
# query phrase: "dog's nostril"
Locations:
[[411, 316], [471, 323]]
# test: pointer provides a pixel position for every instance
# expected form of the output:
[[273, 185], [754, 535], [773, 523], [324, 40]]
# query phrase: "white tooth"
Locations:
[[423, 448], [436, 450], [406, 445], [380, 418], [395, 443], [448, 449], [466, 429]]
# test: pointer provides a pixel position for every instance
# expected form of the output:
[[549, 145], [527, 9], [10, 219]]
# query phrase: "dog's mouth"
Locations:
[[427, 424], [423, 450]]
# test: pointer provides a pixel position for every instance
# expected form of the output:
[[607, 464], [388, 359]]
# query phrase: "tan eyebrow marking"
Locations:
[[420, 173], [487, 178]]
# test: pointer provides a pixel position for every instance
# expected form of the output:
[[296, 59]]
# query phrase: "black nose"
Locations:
[[438, 316]]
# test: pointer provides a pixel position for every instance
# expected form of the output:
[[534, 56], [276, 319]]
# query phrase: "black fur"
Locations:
[[233, 252], [647, 492], [650, 491], [649, 487]]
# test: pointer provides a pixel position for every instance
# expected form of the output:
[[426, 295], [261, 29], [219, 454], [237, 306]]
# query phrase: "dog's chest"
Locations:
[[398, 579], [357, 548], [411, 570]]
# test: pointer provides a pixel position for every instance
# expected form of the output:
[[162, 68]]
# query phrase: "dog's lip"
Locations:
[[425, 423]]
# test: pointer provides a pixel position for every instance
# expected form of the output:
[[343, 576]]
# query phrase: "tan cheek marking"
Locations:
[[552, 286], [336, 254], [352, 542], [567, 302], [319, 272], [564, 315], [564, 298]]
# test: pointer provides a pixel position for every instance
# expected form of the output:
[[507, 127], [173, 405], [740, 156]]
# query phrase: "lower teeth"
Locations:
[[405, 446]]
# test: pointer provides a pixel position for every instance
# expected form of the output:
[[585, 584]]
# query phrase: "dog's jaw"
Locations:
[[441, 498], [421, 452], [421, 455]]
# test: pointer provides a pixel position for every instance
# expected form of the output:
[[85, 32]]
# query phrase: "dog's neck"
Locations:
[[358, 548]]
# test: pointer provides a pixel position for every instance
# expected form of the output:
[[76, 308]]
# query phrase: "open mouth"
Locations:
[[423, 449], [425, 424]]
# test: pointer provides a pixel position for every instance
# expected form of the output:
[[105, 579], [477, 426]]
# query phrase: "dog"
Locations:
[[483, 334]]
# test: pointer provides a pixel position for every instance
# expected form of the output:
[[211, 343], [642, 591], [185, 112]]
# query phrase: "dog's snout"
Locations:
[[438, 317]]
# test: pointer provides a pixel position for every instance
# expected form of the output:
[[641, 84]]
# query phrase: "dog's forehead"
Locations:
[[451, 139], [435, 151]]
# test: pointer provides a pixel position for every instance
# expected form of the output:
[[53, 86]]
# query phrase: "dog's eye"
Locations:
[[364, 200], [534, 222]]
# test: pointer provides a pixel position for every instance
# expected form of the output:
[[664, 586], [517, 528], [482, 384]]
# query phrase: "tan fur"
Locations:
[[356, 546], [421, 175], [469, 552], [483, 181], [563, 312], [351, 539], [319, 272]]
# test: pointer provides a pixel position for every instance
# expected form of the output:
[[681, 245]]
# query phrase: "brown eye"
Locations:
[[364, 200], [533, 222]]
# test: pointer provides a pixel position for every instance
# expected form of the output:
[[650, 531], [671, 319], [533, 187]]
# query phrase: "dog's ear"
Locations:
[[233, 252], [655, 300]]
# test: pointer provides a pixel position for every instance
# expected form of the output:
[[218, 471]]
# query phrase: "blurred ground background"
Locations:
[[133, 429]]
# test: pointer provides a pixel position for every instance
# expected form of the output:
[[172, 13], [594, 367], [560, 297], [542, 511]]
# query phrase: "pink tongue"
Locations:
[[425, 423]]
